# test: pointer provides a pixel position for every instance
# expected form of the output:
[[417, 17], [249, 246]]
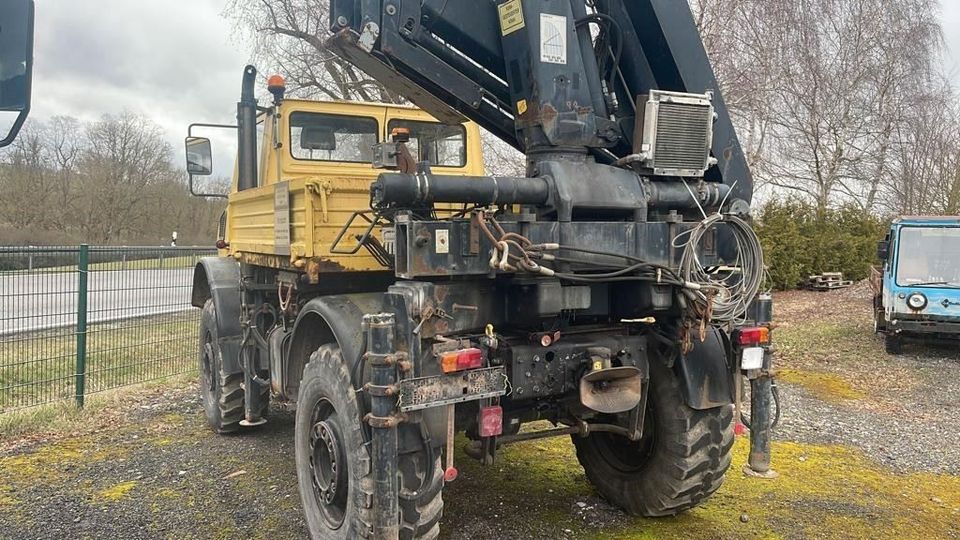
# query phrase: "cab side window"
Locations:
[[443, 145], [332, 137]]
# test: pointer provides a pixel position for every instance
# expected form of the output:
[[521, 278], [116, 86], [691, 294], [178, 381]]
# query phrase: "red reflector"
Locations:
[[469, 359], [491, 421], [754, 336], [450, 474]]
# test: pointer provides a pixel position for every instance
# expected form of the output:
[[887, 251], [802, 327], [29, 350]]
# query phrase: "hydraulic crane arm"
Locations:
[[542, 75]]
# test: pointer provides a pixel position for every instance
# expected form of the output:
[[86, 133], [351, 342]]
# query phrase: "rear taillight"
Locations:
[[749, 337], [461, 359], [491, 421]]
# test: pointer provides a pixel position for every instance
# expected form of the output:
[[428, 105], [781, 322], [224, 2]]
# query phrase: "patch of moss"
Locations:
[[6, 499], [49, 463], [826, 386], [118, 491], [822, 492]]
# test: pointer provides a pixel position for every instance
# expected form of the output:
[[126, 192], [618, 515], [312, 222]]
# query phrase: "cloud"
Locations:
[[951, 29], [175, 61]]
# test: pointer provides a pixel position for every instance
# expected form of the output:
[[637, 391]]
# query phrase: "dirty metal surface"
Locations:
[[426, 392]]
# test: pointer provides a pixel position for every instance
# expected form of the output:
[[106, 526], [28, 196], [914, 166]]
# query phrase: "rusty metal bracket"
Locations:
[[380, 391], [384, 422]]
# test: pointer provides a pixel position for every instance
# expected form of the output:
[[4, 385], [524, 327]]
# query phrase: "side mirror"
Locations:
[[16, 62], [199, 156], [883, 250]]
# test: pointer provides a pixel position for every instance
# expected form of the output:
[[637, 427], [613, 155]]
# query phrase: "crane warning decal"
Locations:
[[511, 17], [553, 38]]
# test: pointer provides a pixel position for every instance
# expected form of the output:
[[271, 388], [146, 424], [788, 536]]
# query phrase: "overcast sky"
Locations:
[[177, 61]]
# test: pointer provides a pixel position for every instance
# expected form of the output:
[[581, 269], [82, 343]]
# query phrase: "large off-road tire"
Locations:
[[221, 392], [334, 468], [679, 462], [893, 343]]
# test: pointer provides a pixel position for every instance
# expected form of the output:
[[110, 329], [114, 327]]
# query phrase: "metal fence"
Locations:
[[79, 320]]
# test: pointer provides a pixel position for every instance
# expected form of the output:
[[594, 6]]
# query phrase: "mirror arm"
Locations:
[[15, 129]]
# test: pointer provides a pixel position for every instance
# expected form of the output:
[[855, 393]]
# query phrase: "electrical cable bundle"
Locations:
[[727, 295], [715, 296]]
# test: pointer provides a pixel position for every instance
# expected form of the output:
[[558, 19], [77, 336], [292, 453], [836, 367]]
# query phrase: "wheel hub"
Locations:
[[208, 377], [328, 465], [325, 458]]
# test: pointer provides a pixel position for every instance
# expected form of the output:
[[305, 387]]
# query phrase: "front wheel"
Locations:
[[678, 463], [220, 391], [893, 343], [334, 466]]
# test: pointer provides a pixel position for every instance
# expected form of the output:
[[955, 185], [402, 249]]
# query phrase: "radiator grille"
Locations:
[[683, 135]]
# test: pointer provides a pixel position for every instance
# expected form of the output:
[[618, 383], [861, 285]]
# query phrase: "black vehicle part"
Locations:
[[382, 419], [706, 379], [221, 391], [247, 132], [680, 460], [218, 278], [408, 190], [337, 501], [454, 58], [329, 319], [893, 343], [775, 394]]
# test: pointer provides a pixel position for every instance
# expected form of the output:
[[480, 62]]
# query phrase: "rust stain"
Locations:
[[320, 265]]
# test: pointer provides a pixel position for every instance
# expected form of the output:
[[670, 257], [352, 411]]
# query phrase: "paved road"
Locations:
[[39, 301]]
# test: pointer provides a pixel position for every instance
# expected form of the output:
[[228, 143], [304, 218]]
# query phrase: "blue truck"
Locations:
[[917, 292]]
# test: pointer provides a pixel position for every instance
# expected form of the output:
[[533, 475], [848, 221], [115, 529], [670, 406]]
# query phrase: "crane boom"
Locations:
[[541, 74]]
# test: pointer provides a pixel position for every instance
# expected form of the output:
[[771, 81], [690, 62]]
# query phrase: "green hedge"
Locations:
[[800, 241]]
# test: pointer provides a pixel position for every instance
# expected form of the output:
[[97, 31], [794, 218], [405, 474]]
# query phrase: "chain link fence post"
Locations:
[[83, 264]]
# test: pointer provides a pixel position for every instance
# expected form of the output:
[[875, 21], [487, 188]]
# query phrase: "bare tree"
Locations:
[[289, 36], [127, 155], [820, 90]]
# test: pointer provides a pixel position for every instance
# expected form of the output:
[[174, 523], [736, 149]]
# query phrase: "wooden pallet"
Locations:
[[828, 281]]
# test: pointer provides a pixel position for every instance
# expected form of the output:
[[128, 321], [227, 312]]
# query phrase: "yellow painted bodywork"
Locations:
[[323, 194]]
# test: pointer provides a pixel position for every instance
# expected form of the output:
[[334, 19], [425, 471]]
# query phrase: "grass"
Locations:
[[151, 263], [64, 417], [40, 367], [822, 492]]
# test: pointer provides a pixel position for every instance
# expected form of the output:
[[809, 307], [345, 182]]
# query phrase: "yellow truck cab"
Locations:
[[315, 170]]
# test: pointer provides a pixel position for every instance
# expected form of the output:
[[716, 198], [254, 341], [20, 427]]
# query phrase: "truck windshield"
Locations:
[[443, 145], [928, 255], [332, 137]]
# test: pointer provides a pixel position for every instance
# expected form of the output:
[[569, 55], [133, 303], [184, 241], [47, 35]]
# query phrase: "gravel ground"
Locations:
[[149, 468], [925, 437], [905, 416]]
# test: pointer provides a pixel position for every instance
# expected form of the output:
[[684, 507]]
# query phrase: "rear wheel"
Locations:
[[679, 462], [221, 392], [334, 468]]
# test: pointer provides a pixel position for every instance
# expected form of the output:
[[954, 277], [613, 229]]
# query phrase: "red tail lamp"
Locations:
[[749, 337], [491, 421], [461, 359]]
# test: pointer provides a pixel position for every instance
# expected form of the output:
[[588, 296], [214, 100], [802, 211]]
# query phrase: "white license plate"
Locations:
[[752, 358]]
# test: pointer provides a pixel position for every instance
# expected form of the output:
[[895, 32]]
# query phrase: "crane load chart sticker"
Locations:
[[553, 38]]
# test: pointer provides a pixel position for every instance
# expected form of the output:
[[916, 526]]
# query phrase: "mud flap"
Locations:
[[704, 373]]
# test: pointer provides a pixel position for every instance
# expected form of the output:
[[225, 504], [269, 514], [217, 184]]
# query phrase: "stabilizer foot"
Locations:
[[768, 475]]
